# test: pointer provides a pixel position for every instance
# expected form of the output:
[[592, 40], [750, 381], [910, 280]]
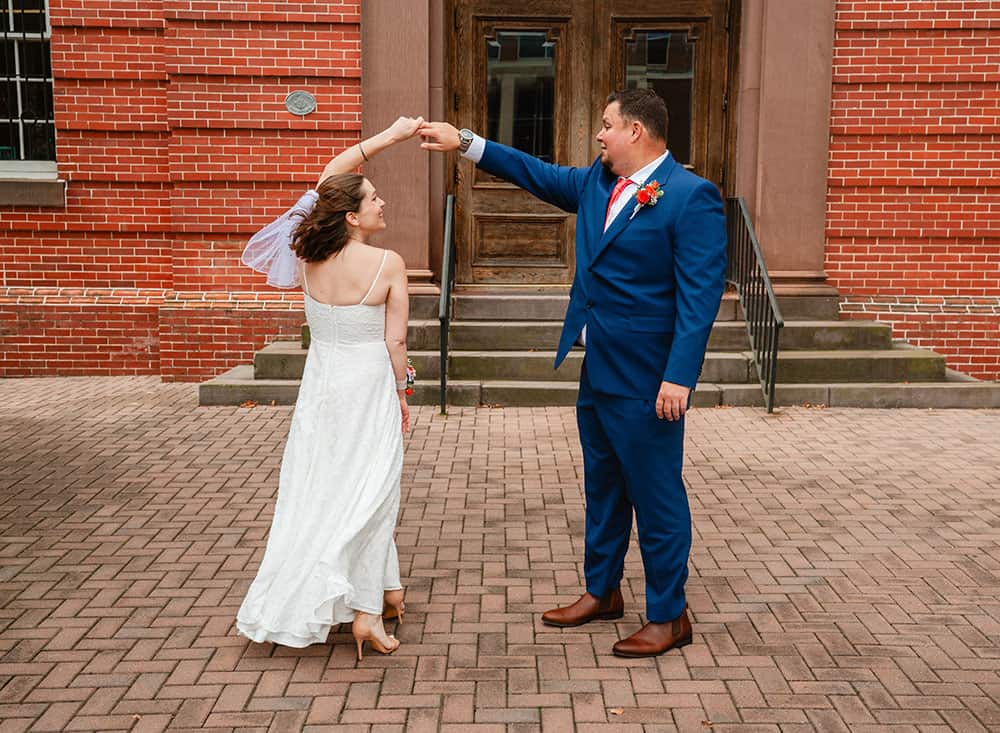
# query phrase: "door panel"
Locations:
[[533, 74], [516, 84], [682, 53]]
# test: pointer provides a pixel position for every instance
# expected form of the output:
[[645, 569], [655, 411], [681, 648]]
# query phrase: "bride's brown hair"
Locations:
[[323, 233]]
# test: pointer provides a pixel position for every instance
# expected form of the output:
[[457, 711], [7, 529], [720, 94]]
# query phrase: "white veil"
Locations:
[[270, 250]]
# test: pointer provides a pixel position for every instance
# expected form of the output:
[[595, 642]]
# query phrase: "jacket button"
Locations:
[[590, 304]]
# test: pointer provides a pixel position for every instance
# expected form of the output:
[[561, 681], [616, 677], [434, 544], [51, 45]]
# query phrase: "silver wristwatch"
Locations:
[[465, 138]]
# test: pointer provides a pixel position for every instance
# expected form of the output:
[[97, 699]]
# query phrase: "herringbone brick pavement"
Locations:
[[845, 574]]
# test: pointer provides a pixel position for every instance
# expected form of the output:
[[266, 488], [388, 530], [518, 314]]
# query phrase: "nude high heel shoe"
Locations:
[[368, 627], [393, 605]]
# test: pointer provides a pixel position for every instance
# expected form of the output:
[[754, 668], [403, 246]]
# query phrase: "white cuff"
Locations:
[[476, 149]]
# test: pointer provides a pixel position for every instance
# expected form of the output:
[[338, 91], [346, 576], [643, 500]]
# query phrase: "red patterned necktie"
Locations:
[[620, 186]]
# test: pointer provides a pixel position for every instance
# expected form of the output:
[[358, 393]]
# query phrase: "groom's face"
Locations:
[[613, 137]]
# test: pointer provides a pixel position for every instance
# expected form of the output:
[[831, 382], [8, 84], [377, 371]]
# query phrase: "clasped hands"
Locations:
[[437, 136]]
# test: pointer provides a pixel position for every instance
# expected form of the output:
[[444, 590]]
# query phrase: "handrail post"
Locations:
[[444, 307], [747, 271]]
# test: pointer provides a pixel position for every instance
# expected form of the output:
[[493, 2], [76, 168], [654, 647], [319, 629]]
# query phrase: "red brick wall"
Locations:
[[913, 222], [176, 145]]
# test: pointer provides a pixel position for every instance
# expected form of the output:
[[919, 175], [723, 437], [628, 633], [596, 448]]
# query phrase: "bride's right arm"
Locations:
[[402, 129], [397, 320]]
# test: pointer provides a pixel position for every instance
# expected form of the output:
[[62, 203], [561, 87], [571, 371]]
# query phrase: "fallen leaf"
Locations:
[[617, 711], [248, 403]]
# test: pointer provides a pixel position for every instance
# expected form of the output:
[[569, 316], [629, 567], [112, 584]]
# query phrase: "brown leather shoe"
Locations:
[[652, 640], [588, 608]]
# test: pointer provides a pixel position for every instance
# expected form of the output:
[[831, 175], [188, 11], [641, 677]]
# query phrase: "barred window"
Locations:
[[27, 125]]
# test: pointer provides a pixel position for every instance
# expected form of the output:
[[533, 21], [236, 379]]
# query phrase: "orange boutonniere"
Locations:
[[648, 195]]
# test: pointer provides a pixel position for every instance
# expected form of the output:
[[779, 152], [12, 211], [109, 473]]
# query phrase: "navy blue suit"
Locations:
[[648, 290]]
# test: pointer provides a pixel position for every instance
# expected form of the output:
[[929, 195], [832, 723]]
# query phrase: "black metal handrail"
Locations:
[[748, 273], [447, 283]]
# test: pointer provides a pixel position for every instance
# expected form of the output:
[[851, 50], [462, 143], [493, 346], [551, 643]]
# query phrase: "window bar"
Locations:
[[18, 86]]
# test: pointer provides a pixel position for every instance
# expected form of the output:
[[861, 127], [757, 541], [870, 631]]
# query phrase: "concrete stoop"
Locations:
[[501, 354]]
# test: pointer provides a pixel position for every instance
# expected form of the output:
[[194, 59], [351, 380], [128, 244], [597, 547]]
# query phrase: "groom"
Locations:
[[650, 267]]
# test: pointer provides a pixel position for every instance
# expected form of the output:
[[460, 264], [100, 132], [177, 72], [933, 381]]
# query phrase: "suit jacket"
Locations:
[[648, 289]]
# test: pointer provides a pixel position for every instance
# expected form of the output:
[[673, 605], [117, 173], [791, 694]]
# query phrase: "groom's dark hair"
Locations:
[[645, 106]]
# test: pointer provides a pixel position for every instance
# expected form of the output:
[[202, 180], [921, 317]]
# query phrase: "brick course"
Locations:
[[912, 218]]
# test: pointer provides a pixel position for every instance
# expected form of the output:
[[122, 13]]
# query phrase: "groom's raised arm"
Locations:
[[558, 185]]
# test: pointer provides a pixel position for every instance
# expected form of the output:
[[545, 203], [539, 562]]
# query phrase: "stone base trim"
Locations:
[[903, 304]]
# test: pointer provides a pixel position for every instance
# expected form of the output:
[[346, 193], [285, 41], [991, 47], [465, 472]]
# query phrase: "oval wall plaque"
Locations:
[[300, 103]]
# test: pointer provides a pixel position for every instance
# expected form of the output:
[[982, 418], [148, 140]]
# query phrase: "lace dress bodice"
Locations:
[[345, 325]]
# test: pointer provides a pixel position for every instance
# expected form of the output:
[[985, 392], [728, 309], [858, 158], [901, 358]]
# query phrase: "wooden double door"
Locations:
[[534, 74]]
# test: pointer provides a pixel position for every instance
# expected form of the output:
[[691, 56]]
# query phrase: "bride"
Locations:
[[330, 555]]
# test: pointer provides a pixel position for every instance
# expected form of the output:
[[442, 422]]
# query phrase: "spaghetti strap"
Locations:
[[305, 284], [385, 254]]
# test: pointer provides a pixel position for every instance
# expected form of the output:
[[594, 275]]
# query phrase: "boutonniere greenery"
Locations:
[[648, 195]]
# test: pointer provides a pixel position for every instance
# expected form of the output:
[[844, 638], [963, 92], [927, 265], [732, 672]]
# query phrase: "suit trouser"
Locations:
[[632, 461]]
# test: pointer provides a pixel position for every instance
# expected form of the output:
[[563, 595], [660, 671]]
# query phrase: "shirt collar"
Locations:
[[640, 176]]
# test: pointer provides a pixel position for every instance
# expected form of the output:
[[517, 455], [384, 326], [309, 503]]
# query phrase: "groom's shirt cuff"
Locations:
[[476, 149]]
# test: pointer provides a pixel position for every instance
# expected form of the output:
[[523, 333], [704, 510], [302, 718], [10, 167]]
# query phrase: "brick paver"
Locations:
[[845, 574]]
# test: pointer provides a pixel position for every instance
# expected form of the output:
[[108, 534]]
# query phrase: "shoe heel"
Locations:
[[611, 616], [360, 643]]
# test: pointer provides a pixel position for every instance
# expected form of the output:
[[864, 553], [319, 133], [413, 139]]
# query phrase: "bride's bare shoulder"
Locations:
[[394, 262], [393, 259]]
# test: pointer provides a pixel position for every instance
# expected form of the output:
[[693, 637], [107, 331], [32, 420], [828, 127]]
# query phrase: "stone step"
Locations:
[[286, 360], [937, 395], [424, 307], [880, 365], [537, 366], [537, 307], [238, 386], [726, 335], [509, 307], [516, 306]]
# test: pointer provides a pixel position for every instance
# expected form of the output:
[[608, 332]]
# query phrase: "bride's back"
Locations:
[[346, 278]]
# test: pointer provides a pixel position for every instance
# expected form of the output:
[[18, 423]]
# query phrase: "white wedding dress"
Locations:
[[331, 549]]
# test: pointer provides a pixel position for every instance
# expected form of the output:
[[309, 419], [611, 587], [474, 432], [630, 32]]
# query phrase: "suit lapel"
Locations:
[[594, 225], [661, 174]]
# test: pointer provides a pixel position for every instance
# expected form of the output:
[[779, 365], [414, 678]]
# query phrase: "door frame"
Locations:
[[725, 173]]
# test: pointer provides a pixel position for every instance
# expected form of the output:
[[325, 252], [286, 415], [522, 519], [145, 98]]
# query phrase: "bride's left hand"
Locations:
[[404, 128]]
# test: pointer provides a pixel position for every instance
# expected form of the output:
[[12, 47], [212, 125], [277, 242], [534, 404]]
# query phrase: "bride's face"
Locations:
[[370, 213]]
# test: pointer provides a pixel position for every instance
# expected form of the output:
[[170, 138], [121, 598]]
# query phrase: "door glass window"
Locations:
[[520, 91], [664, 61]]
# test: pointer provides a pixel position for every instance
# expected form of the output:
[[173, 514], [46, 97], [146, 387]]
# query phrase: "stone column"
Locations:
[[783, 129], [395, 80]]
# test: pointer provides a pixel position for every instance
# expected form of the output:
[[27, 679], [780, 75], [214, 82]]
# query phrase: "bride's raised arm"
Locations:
[[402, 129]]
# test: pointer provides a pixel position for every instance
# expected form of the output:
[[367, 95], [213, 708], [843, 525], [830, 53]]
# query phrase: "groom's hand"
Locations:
[[672, 401], [439, 137]]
